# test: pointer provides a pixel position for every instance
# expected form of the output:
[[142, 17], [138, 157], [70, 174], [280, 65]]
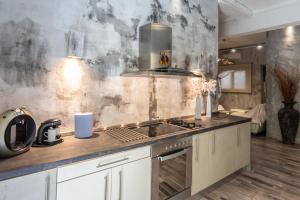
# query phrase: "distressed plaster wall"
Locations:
[[243, 100], [283, 50], [34, 41]]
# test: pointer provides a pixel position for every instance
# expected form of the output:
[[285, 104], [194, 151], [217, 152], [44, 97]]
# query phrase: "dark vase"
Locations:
[[288, 121]]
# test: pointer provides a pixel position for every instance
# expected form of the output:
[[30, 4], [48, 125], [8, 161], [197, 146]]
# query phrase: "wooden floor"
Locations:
[[275, 175]]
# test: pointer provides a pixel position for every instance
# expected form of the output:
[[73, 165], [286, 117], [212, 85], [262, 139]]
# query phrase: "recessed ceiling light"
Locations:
[[290, 34], [233, 50], [259, 47], [290, 30]]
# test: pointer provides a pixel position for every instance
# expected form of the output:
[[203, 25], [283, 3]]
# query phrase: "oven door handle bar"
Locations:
[[172, 156]]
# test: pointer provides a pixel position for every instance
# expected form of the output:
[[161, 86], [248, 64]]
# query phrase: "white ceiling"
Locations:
[[245, 22]]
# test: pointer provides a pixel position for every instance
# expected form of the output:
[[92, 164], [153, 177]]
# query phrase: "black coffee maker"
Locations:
[[41, 139]]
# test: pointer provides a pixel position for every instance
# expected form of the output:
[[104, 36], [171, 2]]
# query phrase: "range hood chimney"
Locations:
[[155, 54]]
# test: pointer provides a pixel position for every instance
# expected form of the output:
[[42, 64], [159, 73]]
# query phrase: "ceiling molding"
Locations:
[[271, 18], [276, 6], [238, 6]]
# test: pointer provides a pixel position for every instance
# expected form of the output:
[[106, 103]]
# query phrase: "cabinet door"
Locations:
[[95, 186], [243, 145], [201, 177], [38, 186], [223, 152], [132, 181]]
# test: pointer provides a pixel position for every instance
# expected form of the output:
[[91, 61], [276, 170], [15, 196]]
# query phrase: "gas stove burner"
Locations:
[[184, 123], [157, 129], [189, 124], [177, 122]]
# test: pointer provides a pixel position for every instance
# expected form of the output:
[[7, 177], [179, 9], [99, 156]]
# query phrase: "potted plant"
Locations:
[[288, 116]]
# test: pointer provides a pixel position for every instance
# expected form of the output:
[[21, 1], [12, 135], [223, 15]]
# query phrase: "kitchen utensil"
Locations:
[[198, 107], [17, 132], [50, 135], [83, 125], [46, 132]]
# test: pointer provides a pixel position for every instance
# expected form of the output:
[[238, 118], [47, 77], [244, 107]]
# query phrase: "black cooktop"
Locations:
[[186, 123], [153, 130]]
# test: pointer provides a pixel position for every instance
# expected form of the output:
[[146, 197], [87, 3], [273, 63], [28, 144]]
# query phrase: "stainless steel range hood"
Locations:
[[155, 54]]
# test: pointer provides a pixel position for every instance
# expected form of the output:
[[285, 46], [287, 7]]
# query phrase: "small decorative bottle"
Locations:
[[208, 105], [198, 107]]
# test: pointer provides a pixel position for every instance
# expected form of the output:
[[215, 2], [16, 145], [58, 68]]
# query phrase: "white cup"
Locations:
[[57, 131], [50, 135]]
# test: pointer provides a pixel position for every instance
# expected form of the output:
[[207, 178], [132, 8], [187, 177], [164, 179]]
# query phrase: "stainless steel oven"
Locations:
[[172, 169]]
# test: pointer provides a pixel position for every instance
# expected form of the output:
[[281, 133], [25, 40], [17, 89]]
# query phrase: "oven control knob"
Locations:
[[171, 147], [167, 148], [175, 145]]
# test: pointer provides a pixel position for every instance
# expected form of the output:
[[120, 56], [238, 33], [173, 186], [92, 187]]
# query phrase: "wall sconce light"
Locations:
[[72, 73], [75, 44]]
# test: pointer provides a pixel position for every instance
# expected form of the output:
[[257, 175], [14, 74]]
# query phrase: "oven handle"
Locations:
[[174, 155]]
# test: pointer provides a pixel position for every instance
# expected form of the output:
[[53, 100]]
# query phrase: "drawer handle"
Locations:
[[121, 185], [47, 183], [112, 162], [238, 137], [106, 188], [213, 144], [197, 148]]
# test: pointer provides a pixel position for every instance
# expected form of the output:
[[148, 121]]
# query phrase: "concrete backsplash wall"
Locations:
[[283, 50], [35, 70], [242, 100]]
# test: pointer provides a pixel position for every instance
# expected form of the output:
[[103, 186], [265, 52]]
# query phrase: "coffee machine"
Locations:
[[17, 132], [42, 139]]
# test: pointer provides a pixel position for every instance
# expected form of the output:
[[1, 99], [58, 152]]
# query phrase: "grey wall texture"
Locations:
[[283, 49], [241, 100], [35, 70]]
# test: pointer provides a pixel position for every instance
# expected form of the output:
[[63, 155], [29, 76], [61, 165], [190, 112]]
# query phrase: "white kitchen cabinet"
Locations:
[[96, 186], [132, 181], [243, 146], [38, 186], [223, 151], [219, 153], [121, 176], [201, 157]]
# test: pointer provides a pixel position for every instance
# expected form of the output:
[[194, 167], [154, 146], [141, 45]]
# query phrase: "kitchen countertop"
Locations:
[[75, 150]]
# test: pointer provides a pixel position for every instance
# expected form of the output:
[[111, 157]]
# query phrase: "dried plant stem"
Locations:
[[287, 84]]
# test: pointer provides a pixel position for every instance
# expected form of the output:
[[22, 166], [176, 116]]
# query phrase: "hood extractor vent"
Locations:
[[155, 54]]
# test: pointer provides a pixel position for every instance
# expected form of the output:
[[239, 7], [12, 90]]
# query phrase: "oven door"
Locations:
[[171, 178]]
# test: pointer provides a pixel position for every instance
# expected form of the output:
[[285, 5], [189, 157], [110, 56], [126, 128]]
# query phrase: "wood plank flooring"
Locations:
[[275, 175]]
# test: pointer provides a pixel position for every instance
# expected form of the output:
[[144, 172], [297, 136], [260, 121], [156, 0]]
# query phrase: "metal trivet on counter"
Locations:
[[125, 135]]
